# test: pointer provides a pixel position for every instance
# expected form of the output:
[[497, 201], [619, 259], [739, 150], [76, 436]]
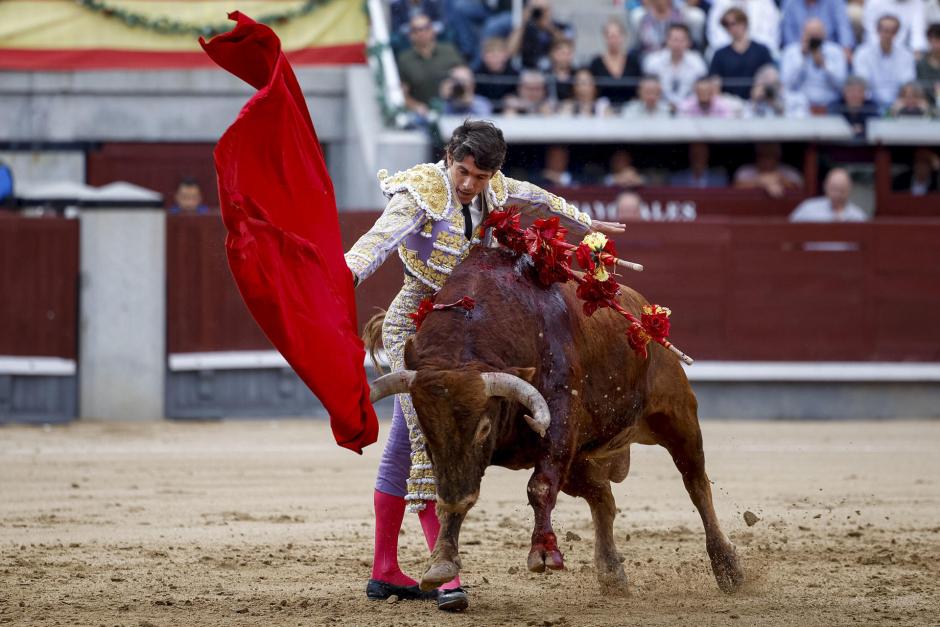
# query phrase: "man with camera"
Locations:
[[533, 38], [458, 91], [814, 67]]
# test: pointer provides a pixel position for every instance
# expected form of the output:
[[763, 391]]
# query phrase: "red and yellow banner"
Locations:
[[163, 34]]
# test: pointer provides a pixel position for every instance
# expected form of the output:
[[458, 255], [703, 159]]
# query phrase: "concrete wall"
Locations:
[[197, 106], [122, 324], [823, 400], [42, 166]]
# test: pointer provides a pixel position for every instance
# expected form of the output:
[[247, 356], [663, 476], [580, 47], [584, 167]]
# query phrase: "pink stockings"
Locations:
[[389, 514], [432, 526]]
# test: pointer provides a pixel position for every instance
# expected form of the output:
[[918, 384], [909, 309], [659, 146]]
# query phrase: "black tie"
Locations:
[[467, 222]]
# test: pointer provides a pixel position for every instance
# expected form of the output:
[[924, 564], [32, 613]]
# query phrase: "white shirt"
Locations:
[[885, 73], [820, 210], [763, 23], [821, 85], [676, 80], [910, 13]]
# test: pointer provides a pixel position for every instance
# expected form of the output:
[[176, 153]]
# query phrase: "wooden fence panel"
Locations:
[[205, 312], [39, 287], [739, 289]]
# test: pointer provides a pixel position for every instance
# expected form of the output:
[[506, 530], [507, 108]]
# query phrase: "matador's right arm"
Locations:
[[401, 217]]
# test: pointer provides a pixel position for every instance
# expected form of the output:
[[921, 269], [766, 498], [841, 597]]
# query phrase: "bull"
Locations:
[[527, 380]]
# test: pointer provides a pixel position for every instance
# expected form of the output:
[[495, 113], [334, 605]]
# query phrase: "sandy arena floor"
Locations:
[[269, 523]]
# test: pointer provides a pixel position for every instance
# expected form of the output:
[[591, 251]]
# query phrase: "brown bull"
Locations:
[[526, 359]]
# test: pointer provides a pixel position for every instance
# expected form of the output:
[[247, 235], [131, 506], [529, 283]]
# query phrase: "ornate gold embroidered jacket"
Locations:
[[424, 220]]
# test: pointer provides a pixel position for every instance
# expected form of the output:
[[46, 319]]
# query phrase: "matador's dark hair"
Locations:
[[481, 140]]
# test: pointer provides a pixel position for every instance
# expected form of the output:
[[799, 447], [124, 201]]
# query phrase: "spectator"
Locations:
[[885, 64], [584, 101], [768, 173], [622, 173], [698, 174], [921, 177], [555, 173], [832, 13], [738, 62], [652, 22], [835, 206], [561, 69], [6, 186], [473, 21], [814, 67], [856, 12], [854, 106], [496, 77], [762, 15], [649, 102], [458, 92], [402, 12], [928, 68], [676, 67], [187, 200], [425, 65], [630, 207], [531, 98], [911, 102], [533, 38], [912, 30], [770, 99], [706, 101], [616, 66]]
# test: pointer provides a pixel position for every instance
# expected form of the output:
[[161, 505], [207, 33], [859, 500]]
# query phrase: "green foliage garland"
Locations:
[[168, 26]]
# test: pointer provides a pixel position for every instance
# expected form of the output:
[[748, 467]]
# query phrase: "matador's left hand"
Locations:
[[608, 228]]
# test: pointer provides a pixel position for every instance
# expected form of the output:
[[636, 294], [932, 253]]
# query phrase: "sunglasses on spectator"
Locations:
[[420, 27], [730, 23]]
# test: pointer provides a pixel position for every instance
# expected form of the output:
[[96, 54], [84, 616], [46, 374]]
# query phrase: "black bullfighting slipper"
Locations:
[[454, 600], [380, 590]]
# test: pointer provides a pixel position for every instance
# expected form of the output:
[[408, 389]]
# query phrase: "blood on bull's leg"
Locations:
[[681, 436], [543, 493]]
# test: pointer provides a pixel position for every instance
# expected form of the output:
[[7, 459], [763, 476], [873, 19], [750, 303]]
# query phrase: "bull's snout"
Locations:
[[460, 506]]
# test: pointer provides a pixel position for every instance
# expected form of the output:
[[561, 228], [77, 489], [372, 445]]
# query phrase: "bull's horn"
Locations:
[[514, 388], [394, 383]]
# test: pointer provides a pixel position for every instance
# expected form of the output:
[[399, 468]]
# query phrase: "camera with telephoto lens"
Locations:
[[537, 14], [458, 90], [815, 43], [770, 92]]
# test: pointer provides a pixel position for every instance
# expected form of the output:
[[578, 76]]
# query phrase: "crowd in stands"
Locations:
[[724, 58]]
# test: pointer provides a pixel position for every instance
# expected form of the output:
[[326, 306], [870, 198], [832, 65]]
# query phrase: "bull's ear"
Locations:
[[526, 374], [411, 354]]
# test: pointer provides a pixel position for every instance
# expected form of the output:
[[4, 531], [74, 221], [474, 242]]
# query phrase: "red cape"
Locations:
[[283, 244]]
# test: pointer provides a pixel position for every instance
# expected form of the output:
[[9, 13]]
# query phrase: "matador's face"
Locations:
[[469, 180]]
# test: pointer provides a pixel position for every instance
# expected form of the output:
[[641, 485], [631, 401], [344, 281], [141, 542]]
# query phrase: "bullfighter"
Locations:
[[433, 217]]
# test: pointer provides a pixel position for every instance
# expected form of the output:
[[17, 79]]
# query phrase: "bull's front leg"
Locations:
[[543, 493], [444, 563]]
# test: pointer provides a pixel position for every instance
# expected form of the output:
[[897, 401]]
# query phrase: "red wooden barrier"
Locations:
[[156, 166], [38, 287], [739, 290], [678, 204], [205, 312]]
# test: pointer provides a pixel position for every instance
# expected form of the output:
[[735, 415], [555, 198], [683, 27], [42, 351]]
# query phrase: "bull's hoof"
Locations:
[[727, 569], [437, 574], [540, 559]]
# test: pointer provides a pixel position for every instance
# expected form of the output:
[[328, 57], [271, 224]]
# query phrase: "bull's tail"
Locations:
[[372, 337]]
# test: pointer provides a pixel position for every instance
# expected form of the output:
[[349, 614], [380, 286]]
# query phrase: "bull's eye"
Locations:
[[483, 430]]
